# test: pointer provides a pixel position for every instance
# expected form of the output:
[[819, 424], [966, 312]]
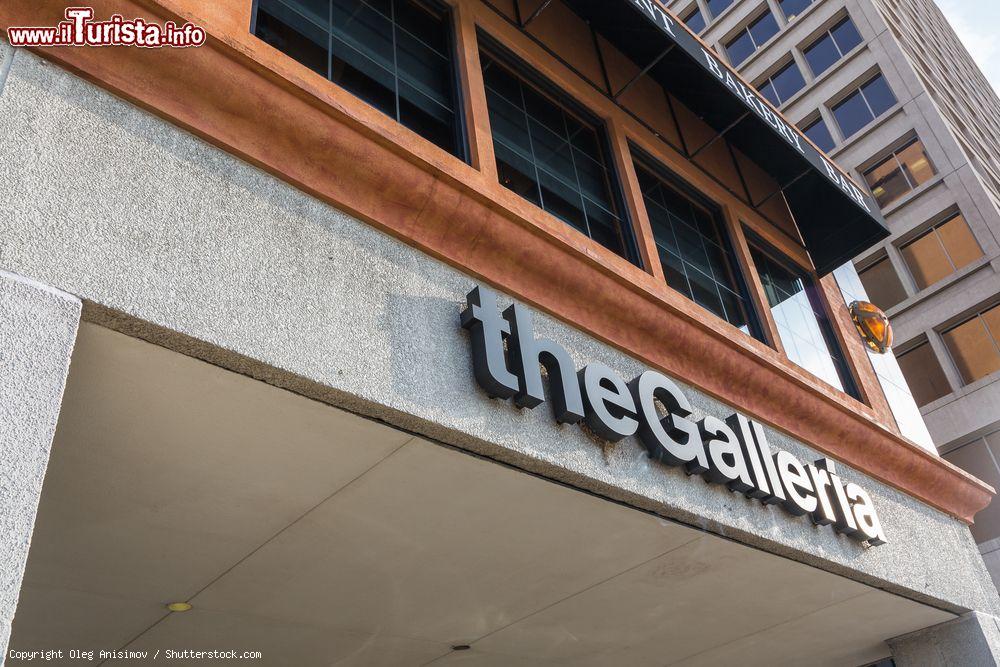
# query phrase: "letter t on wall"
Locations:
[[487, 329]]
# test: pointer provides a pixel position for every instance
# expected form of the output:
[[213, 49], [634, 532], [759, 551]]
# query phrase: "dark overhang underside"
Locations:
[[836, 218]]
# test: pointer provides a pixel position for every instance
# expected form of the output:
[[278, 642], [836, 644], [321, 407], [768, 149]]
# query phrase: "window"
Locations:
[[864, 105], [695, 20], [781, 85], [793, 8], [394, 54], [938, 253], [882, 284], [831, 46], [899, 173], [750, 38], [696, 255], [819, 134], [716, 7], [798, 313], [923, 374], [975, 345], [554, 157]]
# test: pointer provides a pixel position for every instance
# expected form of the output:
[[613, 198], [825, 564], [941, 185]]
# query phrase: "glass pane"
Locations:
[[767, 90], [424, 68], [926, 260], [804, 332], [882, 284], [923, 374], [426, 117], [364, 30], [879, 95], [846, 35], [918, 166], [763, 29], [425, 24], [716, 7], [740, 48], [820, 135], [793, 8], [605, 228], [363, 77], [788, 81], [562, 200], [822, 54], [973, 349], [298, 37], [403, 69], [887, 181], [958, 241], [695, 21], [509, 124], [852, 114], [695, 255], [516, 173]]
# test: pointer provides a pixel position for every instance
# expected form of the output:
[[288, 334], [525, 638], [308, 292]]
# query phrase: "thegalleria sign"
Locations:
[[733, 451]]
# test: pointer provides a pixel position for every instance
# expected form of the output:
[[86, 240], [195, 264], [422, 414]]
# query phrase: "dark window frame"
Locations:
[[901, 168], [769, 80], [819, 305], [829, 33], [459, 128], [747, 30], [739, 284], [858, 91], [494, 50]]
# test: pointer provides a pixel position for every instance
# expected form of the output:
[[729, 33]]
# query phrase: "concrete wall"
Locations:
[[37, 333], [168, 238], [973, 639]]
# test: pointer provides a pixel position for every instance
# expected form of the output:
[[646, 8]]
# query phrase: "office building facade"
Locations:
[[887, 88]]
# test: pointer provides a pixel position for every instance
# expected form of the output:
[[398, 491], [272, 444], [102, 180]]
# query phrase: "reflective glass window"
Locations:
[[751, 38], [831, 46], [975, 345], [781, 85], [694, 250], [394, 54], [819, 134], [792, 8], [802, 325], [554, 157], [941, 251], [864, 105], [902, 171], [923, 373], [716, 7], [882, 284], [695, 20]]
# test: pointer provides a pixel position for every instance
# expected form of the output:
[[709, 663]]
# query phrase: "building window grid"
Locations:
[[962, 358], [913, 173], [781, 86], [922, 281], [843, 37], [341, 44], [733, 297], [751, 37], [619, 241], [874, 111], [702, 231]]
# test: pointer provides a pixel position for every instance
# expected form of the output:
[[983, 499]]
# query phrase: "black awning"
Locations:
[[836, 218]]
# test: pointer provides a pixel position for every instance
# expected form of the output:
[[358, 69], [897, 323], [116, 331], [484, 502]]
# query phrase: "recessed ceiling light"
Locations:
[[179, 606], [460, 647]]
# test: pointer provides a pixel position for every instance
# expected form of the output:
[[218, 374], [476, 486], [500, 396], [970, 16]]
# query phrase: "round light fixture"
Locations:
[[872, 325], [179, 606]]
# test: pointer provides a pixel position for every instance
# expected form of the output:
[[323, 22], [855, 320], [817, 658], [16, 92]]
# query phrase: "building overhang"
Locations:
[[836, 218]]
